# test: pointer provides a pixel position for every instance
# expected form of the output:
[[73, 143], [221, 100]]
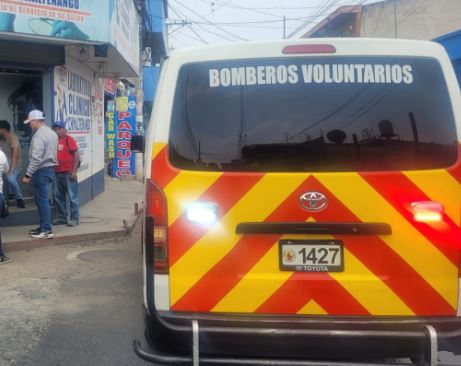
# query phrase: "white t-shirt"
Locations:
[[4, 167]]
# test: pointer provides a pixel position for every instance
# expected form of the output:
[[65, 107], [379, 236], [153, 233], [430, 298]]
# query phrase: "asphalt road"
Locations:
[[75, 305], [72, 305]]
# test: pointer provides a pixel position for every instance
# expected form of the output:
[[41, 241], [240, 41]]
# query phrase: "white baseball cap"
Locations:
[[34, 114]]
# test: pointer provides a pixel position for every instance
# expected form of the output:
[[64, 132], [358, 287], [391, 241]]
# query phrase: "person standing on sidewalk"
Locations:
[[12, 149], [3, 168], [66, 184], [42, 160]]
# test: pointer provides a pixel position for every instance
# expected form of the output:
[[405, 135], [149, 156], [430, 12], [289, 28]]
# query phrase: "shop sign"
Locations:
[[86, 20], [73, 106], [125, 121], [78, 101], [125, 32], [110, 129]]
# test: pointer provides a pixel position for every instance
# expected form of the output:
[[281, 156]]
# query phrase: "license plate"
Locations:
[[311, 255]]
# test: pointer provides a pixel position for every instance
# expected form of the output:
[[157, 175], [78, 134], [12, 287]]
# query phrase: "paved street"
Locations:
[[76, 304], [72, 305]]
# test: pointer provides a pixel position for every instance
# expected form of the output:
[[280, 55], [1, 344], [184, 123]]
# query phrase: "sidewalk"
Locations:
[[111, 214]]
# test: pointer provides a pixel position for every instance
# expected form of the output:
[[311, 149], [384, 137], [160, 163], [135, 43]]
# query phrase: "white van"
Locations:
[[303, 203]]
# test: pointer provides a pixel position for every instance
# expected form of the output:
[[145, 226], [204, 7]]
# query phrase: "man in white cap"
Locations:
[[42, 160]]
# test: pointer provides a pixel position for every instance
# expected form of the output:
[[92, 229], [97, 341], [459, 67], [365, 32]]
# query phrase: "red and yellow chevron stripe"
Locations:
[[414, 271]]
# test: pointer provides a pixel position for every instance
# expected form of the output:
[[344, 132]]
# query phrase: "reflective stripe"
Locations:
[[213, 269], [178, 198], [440, 186], [383, 301], [266, 281], [221, 238], [418, 252], [312, 308]]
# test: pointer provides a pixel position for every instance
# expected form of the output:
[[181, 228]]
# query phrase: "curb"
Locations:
[[71, 239]]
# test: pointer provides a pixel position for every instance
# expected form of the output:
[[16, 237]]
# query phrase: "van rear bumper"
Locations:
[[262, 340]]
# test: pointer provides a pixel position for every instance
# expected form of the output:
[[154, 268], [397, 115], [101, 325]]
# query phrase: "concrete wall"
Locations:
[[415, 19]]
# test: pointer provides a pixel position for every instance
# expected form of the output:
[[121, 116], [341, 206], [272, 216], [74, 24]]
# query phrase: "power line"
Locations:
[[198, 35], [180, 14], [320, 9], [265, 7], [206, 15], [211, 23], [239, 7], [244, 23]]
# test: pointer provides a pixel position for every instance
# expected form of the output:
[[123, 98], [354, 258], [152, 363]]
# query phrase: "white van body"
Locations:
[[303, 202]]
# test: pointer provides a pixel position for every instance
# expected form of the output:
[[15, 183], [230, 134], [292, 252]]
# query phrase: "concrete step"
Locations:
[[23, 216]]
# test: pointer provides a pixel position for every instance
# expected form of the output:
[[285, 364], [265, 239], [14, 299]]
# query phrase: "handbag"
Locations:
[[4, 211]]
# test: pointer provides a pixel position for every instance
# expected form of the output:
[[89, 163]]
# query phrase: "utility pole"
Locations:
[[284, 27], [179, 23], [395, 18]]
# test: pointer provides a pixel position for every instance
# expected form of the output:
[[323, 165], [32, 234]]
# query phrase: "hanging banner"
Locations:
[[110, 129], [125, 121]]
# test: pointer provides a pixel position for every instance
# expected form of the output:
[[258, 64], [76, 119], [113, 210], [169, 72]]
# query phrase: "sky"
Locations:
[[201, 22]]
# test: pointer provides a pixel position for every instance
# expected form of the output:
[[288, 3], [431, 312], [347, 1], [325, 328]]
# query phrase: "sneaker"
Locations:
[[20, 203], [72, 223], [58, 222], [35, 231], [4, 259], [43, 235]]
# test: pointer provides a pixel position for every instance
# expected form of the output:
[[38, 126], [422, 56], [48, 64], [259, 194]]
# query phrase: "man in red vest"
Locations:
[[66, 185]]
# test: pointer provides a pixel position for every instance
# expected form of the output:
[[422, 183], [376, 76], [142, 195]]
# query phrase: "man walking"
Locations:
[[66, 184], [42, 160], [12, 149]]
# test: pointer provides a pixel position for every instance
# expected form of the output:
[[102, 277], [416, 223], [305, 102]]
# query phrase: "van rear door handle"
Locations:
[[350, 228]]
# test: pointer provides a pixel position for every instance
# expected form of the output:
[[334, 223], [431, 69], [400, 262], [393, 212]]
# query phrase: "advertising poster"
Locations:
[[71, 19], [97, 125], [125, 122], [78, 102]]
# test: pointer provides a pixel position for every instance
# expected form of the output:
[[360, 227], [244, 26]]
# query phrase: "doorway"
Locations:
[[21, 90]]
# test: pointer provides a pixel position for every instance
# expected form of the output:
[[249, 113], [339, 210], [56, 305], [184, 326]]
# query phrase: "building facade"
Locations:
[[410, 19], [55, 56]]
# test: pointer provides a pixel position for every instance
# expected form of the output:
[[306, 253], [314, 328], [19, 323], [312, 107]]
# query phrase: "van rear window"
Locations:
[[313, 114]]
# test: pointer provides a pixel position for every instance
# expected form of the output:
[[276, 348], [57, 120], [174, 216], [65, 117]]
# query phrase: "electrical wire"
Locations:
[[239, 7], [211, 23], [320, 9], [202, 27], [198, 35], [264, 8]]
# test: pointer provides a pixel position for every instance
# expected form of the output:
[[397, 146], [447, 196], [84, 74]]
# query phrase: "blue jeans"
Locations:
[[40, 181], [65, 187], [13, 184]]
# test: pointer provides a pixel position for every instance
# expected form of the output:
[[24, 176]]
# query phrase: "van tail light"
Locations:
[[156, 212], [427, 211], [297, 49]]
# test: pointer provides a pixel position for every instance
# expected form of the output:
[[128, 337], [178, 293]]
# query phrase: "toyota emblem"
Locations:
[[313, 201]]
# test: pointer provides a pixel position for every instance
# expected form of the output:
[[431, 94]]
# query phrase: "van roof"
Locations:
[[344, 46]]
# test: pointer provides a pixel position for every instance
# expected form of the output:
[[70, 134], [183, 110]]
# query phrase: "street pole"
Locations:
[[284, 28], [395, 18]]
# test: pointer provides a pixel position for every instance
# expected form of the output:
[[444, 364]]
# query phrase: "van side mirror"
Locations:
[[137, 143]]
